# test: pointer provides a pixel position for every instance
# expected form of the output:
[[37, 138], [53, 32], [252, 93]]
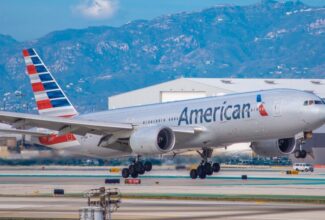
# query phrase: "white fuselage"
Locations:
[[224, 119]]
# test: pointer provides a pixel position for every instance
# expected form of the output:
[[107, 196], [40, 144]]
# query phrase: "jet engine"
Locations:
[[274, 147], [152, 140]]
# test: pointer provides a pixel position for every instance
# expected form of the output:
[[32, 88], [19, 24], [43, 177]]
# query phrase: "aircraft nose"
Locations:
[[321, 113], [315, 115]]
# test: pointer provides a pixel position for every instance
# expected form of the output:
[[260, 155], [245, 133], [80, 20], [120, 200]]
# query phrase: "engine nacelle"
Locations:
[[274, 147], [152, 140]]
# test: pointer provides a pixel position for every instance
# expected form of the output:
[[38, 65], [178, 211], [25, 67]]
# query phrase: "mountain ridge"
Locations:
[[270, 40]]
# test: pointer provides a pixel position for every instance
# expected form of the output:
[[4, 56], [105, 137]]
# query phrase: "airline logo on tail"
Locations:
[[50, 98], [260, 106]]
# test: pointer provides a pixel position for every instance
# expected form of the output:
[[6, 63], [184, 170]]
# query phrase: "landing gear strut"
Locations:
[[301, 153], [136, 168], [205, 168]]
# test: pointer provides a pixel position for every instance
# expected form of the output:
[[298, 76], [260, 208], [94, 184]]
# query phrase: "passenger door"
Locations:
[[277, 108]]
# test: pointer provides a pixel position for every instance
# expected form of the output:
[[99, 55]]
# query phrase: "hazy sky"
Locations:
[[31, 19]]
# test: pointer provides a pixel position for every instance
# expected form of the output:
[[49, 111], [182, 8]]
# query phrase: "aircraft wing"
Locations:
[[79, 126], [24, 132], [62, 125]]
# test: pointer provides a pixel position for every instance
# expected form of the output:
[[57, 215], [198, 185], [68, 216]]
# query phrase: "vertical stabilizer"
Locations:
[[50, 98]]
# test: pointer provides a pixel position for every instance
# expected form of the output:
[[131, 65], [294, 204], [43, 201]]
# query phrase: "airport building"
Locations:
[[189, 88]]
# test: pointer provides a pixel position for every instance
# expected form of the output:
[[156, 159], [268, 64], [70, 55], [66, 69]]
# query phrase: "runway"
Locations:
[[38, 181], [67, 208], [27, 192]]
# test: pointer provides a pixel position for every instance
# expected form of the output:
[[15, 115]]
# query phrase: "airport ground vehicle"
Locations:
[[269, 119], [304, 167]]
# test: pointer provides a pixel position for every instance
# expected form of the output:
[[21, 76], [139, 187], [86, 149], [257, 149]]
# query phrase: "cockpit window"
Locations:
[[312, 102], [318, 102]]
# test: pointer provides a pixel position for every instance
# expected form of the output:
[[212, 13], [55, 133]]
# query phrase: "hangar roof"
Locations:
[[243, 85], [211, 87]]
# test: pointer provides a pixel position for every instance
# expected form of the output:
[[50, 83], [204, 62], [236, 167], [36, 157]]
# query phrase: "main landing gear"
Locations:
[[136, 168], [205, 168]]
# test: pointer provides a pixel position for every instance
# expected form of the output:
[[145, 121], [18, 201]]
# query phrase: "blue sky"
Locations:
[[31, 19]]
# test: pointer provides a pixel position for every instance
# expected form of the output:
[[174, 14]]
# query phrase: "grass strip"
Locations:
[[202, 197], [224, 197]]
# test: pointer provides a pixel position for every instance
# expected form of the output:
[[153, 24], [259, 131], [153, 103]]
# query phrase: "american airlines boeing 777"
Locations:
[[276, 121]]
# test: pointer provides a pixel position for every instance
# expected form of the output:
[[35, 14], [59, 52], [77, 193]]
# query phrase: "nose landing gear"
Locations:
[[301, 153], [205, 168]]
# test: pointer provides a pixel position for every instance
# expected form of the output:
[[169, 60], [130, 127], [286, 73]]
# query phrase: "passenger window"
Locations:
[[305, 102], [310, 102]]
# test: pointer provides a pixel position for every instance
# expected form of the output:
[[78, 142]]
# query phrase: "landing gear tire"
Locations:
[[201, 171], [134, 174], [132, 169], [208, 169], [301, 154], [125, 173], [216, 167], [148, 166], [203, 175], [139, 167], [297, 154], [142, 171], [193, 174]]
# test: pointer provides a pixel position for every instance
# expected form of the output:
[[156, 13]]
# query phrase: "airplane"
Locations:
[[273, 121]]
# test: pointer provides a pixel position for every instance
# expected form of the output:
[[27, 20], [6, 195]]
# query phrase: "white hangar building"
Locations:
[[189, 88]]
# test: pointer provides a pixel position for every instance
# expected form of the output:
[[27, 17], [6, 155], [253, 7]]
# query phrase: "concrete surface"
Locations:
[[32, 181], [66, 208], [20, 183]]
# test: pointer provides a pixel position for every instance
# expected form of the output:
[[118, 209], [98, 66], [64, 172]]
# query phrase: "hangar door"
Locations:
[[169, 96]]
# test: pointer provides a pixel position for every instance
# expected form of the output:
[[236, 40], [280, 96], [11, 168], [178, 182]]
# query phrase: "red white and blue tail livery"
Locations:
[[50, 98]]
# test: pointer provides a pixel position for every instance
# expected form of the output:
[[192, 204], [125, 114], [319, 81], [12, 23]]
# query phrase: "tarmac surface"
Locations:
[[27, 192], [67, 208]]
